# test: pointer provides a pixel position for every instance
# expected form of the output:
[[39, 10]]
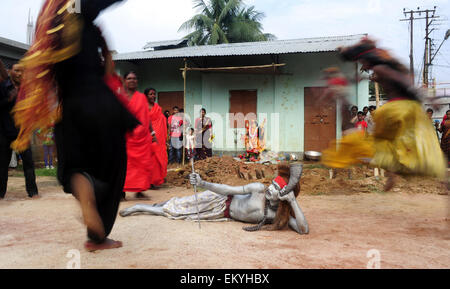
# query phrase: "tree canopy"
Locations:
[[224, 21]]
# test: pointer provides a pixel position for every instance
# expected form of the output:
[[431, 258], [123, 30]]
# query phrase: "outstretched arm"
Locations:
[[195, 179], [299, 223], [92, 8]]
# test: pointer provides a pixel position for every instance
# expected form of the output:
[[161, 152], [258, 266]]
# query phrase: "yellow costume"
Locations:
[[403, 142]]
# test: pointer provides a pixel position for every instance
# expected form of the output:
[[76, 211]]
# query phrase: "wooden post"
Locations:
[[377, 97], [377, 94], [184, 107]]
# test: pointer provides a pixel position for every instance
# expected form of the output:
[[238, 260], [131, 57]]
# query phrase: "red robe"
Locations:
[[139, 147], [159, 152]]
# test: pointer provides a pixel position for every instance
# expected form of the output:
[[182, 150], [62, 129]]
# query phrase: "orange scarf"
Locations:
[[57, 39]]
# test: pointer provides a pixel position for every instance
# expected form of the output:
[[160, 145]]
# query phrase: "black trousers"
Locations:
[[28, 168]]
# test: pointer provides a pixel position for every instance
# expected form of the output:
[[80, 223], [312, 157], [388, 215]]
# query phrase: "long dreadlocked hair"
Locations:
[[366, 49], [57, 38], [284, 208]]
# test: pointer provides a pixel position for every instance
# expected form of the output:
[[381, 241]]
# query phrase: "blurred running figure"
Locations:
[[402, 142], [64, 81]]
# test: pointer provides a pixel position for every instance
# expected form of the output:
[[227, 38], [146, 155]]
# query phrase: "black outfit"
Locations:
[[8, 133], [90, 138]]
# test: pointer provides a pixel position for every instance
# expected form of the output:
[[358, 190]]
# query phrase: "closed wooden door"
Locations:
[[167, 100], [320, 120], [245, 102]]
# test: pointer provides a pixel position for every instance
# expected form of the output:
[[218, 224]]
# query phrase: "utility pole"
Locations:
[[425, 57], [429, 17], [411, 50]]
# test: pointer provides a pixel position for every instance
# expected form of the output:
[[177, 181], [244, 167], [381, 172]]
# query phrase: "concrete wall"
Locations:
[[280, 97]]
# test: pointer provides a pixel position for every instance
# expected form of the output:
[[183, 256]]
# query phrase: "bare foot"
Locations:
[[84, 192], [141, 195], [390, 182], [107, 244], [35, 197]]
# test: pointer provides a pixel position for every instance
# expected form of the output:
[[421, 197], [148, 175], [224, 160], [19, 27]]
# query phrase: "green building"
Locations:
[[278, 81]]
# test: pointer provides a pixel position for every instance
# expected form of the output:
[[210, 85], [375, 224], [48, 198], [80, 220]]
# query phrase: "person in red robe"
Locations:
[[139, 141], [158, 129]]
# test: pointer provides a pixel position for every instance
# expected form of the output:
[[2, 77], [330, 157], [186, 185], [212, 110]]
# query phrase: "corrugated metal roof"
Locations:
[[15, 44], [164, 43], [305, 45]]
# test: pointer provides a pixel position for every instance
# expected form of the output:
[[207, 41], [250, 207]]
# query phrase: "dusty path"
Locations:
[[408, 230]]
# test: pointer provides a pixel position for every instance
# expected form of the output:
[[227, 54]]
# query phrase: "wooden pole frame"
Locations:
[[185, 69], [377, 94], [377, 97], [184, 107], [220, 69]]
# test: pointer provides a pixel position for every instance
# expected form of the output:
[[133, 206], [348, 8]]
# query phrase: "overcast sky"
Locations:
[[129, 26]]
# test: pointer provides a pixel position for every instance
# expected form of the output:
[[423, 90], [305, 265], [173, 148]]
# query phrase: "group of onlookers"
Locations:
[[196, 139], [361, 120]]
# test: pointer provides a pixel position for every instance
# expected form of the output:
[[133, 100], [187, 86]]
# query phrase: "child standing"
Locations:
[[48, 144], [361, 124], [190, 144]]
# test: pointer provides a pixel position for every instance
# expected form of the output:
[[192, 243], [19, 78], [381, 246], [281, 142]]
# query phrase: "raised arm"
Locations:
[[92, 8], [222, 189], [295, 175], [299, 223]]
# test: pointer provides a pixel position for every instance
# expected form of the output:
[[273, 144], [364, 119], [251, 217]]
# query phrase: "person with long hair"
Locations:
[[65, 82], [274, 207], [445, 130], [158, 130], [402, 141], [139, 141]]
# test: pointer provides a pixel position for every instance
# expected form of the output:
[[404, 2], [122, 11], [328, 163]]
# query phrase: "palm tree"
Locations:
[[224, 21], [246, 27]]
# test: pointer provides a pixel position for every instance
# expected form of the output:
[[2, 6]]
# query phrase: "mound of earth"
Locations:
[[315, 179]]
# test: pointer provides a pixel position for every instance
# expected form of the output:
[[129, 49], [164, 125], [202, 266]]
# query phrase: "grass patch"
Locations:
[[45, 172], [41, 172]]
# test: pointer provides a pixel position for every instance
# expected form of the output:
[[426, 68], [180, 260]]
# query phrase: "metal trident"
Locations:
[[195, 194]]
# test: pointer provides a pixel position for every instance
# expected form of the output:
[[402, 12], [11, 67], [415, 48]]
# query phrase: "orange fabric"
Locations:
[[114, 82], [139, 147], [57, 38], [159, 152]]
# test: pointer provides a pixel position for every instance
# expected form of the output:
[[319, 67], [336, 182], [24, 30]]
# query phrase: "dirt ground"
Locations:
[[409, 227]]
